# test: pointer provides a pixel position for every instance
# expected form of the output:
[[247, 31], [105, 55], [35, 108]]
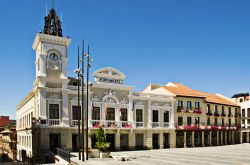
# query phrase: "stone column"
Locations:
[[117, 141], [210, 138], [226, 142], [217, 137], [202, 138], [247, 137], [232, 137], [149, 139], [185, 139], [193, 145], [161, 140], [221, 138], [241, 137]]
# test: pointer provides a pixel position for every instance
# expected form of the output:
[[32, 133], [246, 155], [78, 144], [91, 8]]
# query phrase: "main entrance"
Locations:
[[166, 140]]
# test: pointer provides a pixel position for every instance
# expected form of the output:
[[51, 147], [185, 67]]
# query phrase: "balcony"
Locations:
[[197, 111], [166, 124], [230, 115], [155, 124], [54, 122], [125, 124], [74, 123], [139, 124], [223, 115], [209, 113], [216, 114]]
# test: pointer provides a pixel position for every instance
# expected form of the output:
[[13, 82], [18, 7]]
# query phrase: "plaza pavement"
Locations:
[[222, 155]]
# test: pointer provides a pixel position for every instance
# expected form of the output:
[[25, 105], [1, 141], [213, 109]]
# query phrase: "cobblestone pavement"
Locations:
[[221, 155]]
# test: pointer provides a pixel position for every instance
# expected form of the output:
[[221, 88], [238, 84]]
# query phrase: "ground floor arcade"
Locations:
[[201, 138]]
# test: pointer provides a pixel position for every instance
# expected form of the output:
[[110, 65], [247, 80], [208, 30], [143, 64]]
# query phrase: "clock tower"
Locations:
[[51, 53]]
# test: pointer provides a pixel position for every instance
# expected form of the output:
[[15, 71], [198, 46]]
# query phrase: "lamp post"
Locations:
[[82, 78], [89, 60], [77, 71]]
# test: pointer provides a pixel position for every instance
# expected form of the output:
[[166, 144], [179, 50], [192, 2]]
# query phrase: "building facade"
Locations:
[[202, 119], [243, 100], [47, 116]]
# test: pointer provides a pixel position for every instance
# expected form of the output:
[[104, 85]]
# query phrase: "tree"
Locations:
[[102, 145]]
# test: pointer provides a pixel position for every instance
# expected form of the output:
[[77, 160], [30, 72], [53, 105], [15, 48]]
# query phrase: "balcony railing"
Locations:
[[139, 124], [209, 113], [155, 124], [74, 123], [166, 124], [125, 124], [54, 122]]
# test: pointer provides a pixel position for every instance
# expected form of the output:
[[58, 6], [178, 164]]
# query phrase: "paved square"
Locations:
[[228, 155]]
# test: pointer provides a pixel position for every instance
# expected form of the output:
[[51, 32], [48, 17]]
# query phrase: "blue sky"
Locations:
[[203, 44]]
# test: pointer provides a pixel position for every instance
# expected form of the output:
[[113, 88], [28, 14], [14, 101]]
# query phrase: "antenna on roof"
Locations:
[[46, 9], [52, 4]]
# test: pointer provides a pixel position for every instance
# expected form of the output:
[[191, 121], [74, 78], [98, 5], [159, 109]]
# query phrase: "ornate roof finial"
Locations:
[[52, 23]]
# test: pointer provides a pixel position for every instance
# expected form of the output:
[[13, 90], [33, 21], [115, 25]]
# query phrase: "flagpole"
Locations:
[[87, 129]]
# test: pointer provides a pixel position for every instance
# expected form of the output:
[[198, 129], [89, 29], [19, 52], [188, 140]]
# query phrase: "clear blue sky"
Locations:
[[201, 43]]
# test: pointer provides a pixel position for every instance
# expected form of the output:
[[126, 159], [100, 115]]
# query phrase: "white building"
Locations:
[[243, 100], [47, 117]]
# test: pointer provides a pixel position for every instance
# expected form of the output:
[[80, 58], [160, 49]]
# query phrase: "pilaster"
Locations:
[[149, 139], [65, 115], [161, 140], [117, 141]]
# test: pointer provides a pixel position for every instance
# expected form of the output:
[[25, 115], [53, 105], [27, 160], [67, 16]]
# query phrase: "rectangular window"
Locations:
[[166, 117], [76, 112], [208, 108], [180, 121], [124, 115], [215, 121], [155, 116], [215, 109], [243, 113], [222, 122], [189, 121], [110, 114], [197, 105], [139, 115], [180, 105], [222, 110], [229, 122], [208, 121], [189, 105], [96, 113], [54, 111], [197, 120], [229, 111]]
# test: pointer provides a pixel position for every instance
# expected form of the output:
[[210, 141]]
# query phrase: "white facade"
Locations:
[[51, 104]]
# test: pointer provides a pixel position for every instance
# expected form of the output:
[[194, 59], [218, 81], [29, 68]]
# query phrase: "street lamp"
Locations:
[[89, 61], [77, 71], [82, 78]]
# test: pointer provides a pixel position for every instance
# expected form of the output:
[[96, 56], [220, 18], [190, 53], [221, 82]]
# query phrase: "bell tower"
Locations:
[[51, 52]]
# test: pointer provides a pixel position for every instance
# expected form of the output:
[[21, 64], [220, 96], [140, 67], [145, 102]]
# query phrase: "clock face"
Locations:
[[54, 57]]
